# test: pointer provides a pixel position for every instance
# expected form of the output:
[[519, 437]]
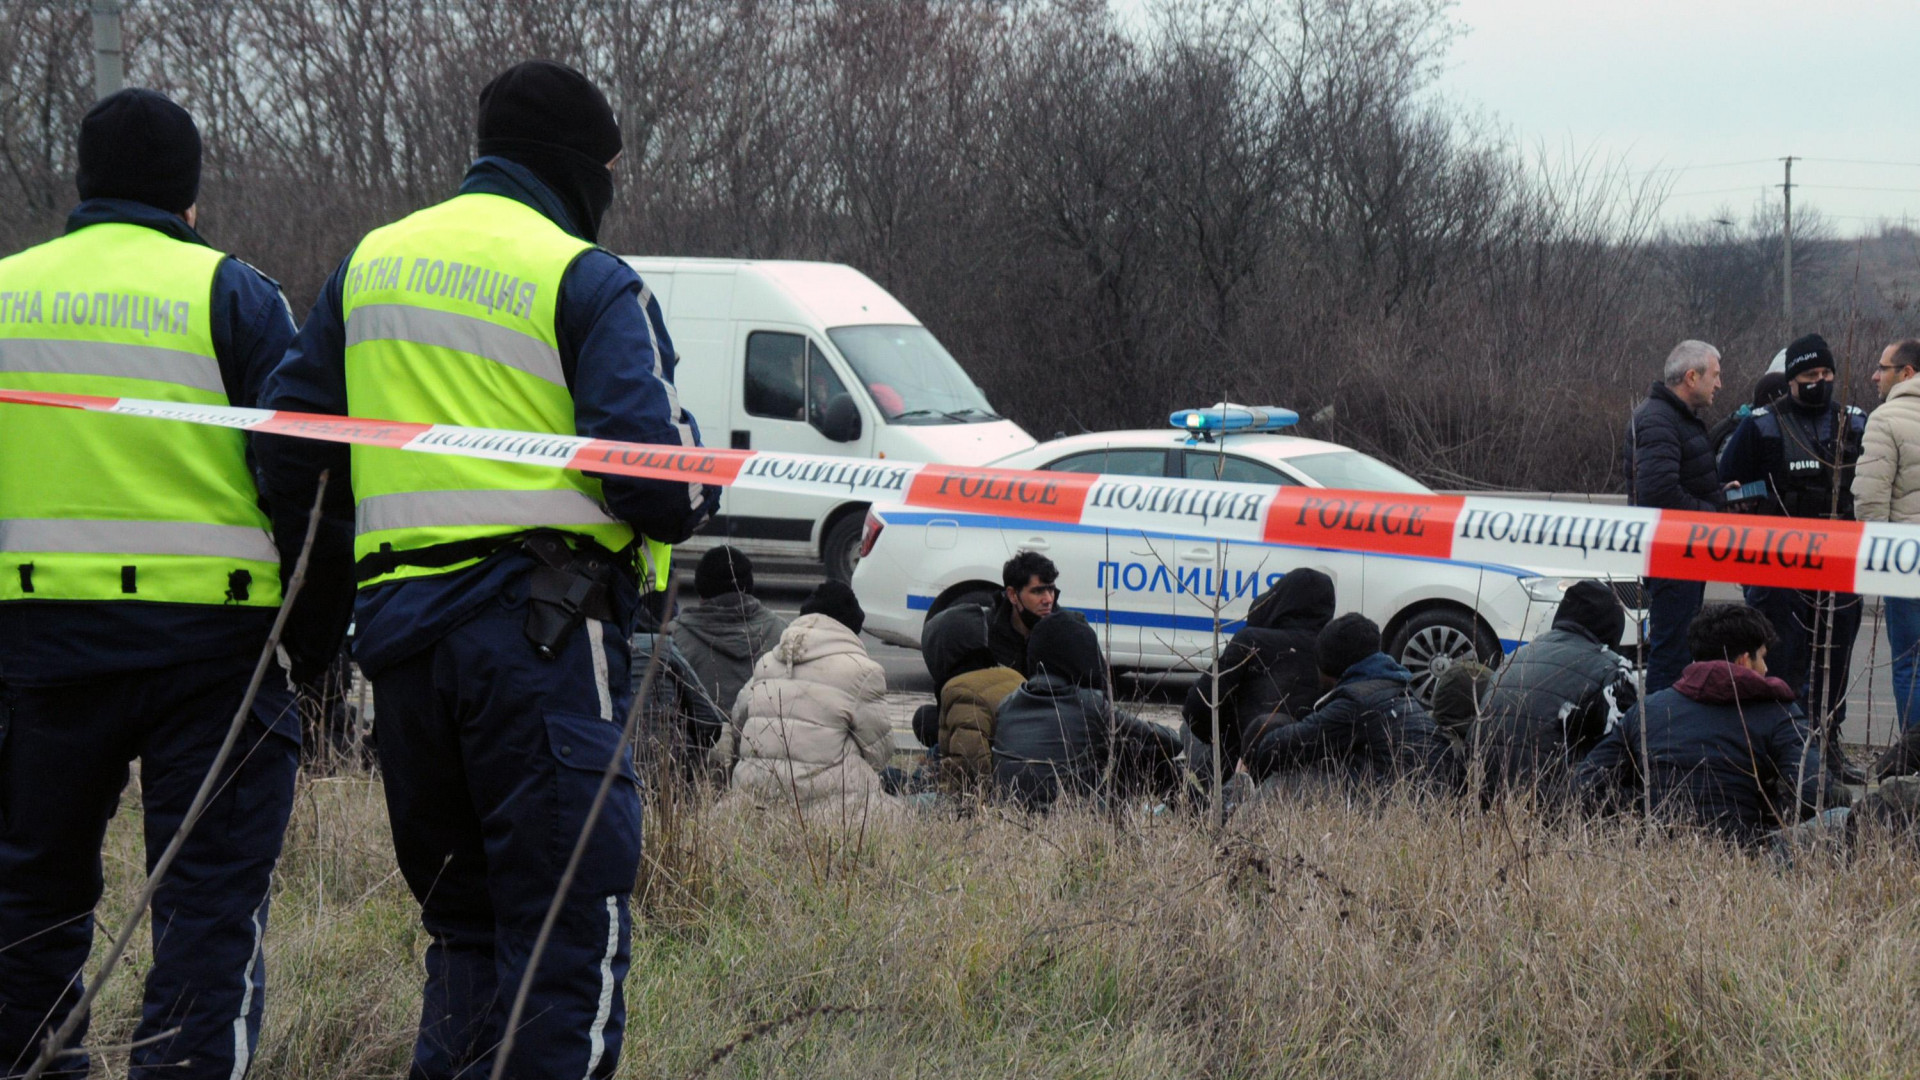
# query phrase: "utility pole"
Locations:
[[109, 67], [1786, 266]]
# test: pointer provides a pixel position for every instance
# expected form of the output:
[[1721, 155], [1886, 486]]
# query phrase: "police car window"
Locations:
[[1116, 462], [776, 376], [822, 385], [1235, 470]]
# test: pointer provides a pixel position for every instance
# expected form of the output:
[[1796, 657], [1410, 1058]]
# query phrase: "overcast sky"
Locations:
[[1717, 90]]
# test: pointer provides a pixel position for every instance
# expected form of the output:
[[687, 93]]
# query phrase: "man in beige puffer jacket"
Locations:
[[1886, 487], [810, 729]]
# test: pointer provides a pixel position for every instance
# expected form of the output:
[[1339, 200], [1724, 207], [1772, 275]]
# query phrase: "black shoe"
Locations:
[[1843, 768]]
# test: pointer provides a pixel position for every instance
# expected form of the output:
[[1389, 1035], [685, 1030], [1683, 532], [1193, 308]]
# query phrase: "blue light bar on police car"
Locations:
[[1227, 416]]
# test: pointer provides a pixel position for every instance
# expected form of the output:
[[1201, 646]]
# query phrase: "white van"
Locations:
[[813, 358]]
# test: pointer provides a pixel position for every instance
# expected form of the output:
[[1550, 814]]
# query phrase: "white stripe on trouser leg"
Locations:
[[597, 1038], [241, 1055], [598, 648]]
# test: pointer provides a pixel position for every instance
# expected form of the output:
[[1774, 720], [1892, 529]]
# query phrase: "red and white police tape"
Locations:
[[1607, 542]]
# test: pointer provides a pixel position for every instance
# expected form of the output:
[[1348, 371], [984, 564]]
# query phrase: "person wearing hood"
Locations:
[[1369, 729], [140, 587], [495, 600], [969, 685], [1726, 748], [810, 731], [679, 720], [1270, 671], [1886, 487], [1766, 391], [728, 629], [1805, 447], [1555, 697], [1059, 734]]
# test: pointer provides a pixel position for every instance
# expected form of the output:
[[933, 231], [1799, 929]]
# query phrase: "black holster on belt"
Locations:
[[567, 587]]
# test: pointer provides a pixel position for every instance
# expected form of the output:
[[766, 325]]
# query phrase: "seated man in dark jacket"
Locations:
[[1555, 698], [1057, 734], [1270, 670], [1726, 747], [1370, 728], [728, 629]]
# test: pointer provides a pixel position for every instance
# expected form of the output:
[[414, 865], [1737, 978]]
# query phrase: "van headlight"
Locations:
[[1548, 590]]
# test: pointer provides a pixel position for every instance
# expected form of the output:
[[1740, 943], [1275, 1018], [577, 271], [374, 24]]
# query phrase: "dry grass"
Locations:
[[1309, 939]]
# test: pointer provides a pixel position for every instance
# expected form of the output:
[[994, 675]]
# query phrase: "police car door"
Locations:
[[1213, 580], [1102, 571]]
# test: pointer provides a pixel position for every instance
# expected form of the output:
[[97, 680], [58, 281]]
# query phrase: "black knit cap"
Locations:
[[835, 600], [138, 145], [1346, 641], [1594, 608], [543, 103], [1808, 353], [723, 570], [1064, 646]]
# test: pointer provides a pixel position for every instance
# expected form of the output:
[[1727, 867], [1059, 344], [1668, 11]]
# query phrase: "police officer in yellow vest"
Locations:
[[495, 599], [138, 581]]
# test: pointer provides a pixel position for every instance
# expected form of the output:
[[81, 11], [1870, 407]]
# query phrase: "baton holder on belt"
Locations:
[[567, 587]]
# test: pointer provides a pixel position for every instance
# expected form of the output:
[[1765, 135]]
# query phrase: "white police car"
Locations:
[[1157, 598]]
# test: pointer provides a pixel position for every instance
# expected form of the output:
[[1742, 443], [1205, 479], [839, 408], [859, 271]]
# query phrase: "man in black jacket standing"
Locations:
[[1670, 466]]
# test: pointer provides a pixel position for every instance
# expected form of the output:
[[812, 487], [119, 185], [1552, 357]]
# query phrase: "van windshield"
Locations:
[[911, 376]]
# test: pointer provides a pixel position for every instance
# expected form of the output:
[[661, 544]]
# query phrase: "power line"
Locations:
[[1856, 161], [1852, 187], [1720, 191]]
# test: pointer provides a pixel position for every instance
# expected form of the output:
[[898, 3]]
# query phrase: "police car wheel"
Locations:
[[1433, 641], [841, 548]]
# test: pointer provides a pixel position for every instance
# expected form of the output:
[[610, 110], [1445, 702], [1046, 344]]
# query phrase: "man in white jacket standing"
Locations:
[[1886, 487]]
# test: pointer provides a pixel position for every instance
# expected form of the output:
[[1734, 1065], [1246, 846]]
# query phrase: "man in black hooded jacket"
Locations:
[[1554, 698], [1058, 734], [1270, 670], [1368, 729]]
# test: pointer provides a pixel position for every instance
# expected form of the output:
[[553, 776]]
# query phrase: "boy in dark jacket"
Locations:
[[1369, 727], [1057, 734], [1726, 747], [729, 629], [1555, 698], [1269, 671], [679, 721]]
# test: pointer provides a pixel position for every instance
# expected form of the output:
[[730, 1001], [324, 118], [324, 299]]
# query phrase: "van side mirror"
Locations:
[[841, 419]]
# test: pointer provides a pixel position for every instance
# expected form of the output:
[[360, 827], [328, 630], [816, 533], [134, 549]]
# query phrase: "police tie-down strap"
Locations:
[[1581, 540]]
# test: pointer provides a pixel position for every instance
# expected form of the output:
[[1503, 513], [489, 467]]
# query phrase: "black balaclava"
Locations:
[[1303, 598], [1065, 647], [1592, 607], [723, 570], [836, 601], [140, 146], [552, 120]]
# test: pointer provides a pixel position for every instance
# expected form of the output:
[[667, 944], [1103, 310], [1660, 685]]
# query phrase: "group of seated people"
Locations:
[[794, 715]]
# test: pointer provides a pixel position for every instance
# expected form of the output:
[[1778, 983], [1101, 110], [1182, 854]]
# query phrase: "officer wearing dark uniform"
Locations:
[[495, 600], [138, 582], [1797, 445]]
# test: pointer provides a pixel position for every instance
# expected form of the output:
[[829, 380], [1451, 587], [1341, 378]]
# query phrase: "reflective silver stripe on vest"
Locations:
[[76, 536], [489, 506], [463, 333], [51, 357]]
